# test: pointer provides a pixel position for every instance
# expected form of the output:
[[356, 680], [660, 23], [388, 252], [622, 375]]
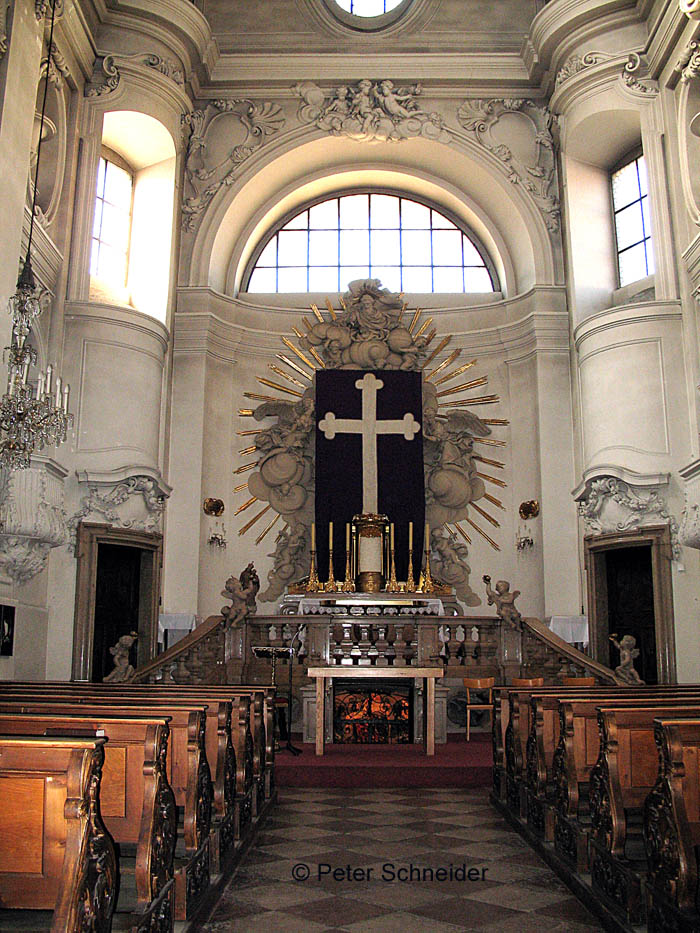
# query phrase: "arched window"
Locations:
[[111, 229], [367, 7], [630, 194], [408, 245]]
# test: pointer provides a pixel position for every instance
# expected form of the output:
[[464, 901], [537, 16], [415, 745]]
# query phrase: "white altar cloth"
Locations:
[[573, 629], [176, 624]]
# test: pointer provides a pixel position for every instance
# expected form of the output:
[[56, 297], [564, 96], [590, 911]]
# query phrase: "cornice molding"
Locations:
[[89, 313], [626, 315]]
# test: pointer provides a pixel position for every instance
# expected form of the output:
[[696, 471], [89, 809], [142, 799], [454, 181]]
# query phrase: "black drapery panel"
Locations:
[[401, 490]]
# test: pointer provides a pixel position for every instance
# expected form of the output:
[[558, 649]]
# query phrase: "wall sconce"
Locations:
[[523, 538], [217, 537]]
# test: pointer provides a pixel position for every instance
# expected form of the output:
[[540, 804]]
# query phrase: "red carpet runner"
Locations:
[[458, 763]]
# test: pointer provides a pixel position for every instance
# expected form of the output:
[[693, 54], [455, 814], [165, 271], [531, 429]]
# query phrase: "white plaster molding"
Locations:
[[129, 497], [165, 66], [612, 499], [41, 7], [578, 63], [635, 78], [689, 532], [691, 8], [4, 26], [32, 518], [251, 124], [105, 77], [369, 111], [481, 117]]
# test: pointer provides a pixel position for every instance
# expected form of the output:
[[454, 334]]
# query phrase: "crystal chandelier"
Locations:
[[30, 417]]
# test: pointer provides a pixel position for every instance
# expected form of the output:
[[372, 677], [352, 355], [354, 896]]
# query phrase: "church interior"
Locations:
[[375, 320]]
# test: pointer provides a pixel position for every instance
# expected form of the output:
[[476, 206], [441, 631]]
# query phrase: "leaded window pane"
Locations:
[[635, 258]]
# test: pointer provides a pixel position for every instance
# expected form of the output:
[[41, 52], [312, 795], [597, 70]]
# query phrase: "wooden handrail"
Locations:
[[180, 647], [542, 632]]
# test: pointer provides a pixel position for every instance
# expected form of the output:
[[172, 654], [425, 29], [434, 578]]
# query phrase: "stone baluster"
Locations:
[[381, 645]]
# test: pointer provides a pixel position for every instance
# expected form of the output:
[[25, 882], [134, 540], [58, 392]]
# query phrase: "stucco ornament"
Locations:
[[635, 77], [105, 77], [610, 505], [691, 8], [32, 519], [689, 532], [689, 62], [368, 333], [166, 67], [42, 6], [519, 134], [449, 559], [136, 502], [219, 138], [4, 25], [577, 63], [241, 591], [369, 111]]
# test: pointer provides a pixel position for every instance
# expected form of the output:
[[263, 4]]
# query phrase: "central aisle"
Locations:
[[375, 835]]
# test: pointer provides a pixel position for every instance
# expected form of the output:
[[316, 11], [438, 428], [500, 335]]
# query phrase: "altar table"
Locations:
[[352, 672]]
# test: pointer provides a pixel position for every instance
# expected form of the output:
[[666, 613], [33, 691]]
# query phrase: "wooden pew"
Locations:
[[190, 775], [620, 782], [672, 828], [55, 853], [136, 801]]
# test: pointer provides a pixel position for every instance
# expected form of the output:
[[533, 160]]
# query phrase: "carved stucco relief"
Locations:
[[609, 504], [519, 134], [167, 67], [105, 77], [32, 519], [136, 502], [577, 63], [220, 138], [689, 532]]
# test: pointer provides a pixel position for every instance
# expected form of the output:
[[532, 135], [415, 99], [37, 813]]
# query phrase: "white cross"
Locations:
[[369, 428]]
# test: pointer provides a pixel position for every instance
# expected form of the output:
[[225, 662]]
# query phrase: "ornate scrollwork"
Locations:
[[532, 763], [635, 77], [661, 841], [480, 117], [251, 124], [105, 77], [609, 879], [577, 63], [369, 111], [205, 795], [600, 801], [565, 840], [107, 503], [197, 879], [559, 775], [164, 831], [166, 67]]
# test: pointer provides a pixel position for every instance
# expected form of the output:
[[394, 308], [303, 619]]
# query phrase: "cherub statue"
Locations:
[[242, 593], [504, 602], [123, 670], [628, 652]]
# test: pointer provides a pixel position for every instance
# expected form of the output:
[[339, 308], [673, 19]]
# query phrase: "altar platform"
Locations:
[[457, 763]]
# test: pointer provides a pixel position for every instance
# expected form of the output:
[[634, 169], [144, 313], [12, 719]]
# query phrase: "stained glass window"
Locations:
[[367, 7], [409, 246], [630, 194]]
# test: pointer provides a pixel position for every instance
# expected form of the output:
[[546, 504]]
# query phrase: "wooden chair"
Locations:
[[528, 682], [578, 681], [479, 683]]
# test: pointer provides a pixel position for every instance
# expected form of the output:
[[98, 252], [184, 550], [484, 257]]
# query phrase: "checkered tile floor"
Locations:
[[345, 831]]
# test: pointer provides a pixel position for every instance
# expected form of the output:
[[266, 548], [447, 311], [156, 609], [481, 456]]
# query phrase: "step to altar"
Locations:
[[457, 763]]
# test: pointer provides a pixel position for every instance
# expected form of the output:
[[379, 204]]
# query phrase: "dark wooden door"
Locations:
[[116, 603], [630, 587]]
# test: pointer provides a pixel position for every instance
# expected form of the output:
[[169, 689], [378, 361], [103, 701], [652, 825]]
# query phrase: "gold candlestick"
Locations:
[[392, 585], [313, 585], [428, 585], [348, 585], [410, 582], [331, 586]]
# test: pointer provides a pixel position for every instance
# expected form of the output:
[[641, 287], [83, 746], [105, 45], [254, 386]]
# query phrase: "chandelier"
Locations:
[[31, 417]]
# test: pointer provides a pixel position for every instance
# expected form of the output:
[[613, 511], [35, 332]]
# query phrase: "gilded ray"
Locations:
[[414, 320], [493, 479], [424, 326], [495, 421], [483, 534], [463, 533], [446, 362], [294, 366], [254, 519], [494, 501], [307, 323], [344, 307], [246, 505], [463, 386], [284, 375], [246, 467], [429, 338], [275, 385], [485, 514], [317, 358], [253, 431], [247, 450], [318, 314], [297, 352], [240, 487], [298, 333], [245, 412], [262, 398], [438, 349], [269, 528], [496, 463], [450, 531], [491, 442], [468, 402], [331, 309], [455, 372], [403, 310]]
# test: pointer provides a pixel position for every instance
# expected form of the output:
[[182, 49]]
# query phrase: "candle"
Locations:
[[66, 392], [391, 529], [58, 392], [40, 386], [410, 536], [330, 536], [25, 372], [427, 538], [47, 385], [347, 537], [313, 536]]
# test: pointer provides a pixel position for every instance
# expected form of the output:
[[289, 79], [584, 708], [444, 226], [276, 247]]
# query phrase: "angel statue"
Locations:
[[628, 652], [242, 592], [504, 602], [123, 670]]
